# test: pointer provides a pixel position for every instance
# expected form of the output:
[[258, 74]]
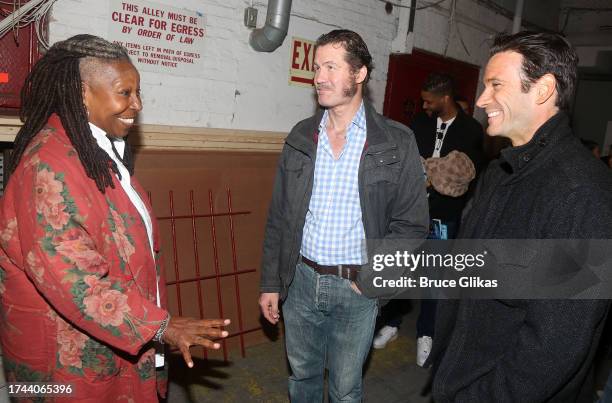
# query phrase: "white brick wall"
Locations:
[[243, 89]]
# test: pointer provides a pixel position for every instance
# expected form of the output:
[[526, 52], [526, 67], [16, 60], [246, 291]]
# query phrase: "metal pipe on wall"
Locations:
[[273, 33], [518, 16], [404, 40]]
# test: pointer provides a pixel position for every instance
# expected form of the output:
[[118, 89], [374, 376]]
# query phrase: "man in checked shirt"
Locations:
[[345, 175]]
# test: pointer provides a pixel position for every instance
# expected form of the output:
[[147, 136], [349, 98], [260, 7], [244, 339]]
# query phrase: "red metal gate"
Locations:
[[212, 216]]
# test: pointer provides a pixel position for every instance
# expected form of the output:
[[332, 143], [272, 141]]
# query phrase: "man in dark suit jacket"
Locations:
[[447, 128], [443, 128]]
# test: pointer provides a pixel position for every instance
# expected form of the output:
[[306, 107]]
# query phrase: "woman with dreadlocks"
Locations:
[[81, 287]]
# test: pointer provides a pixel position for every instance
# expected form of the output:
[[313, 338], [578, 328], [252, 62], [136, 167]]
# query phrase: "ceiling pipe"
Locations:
[[518, 16], [273, 33], [404, 40]]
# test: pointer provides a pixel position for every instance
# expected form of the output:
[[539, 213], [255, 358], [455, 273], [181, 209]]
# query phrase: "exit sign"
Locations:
[[301, 69]]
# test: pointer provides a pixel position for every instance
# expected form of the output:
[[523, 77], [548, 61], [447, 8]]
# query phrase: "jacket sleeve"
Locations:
[[58, 225], [408, 220], [555, 339], [270, 277]]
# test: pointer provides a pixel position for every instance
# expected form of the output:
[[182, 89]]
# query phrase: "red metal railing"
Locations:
[[212, 216]]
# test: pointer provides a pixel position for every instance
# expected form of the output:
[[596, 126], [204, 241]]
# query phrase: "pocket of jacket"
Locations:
[[294, 167], [386, 168]]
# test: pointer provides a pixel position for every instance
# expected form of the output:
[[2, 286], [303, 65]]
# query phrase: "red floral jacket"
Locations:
[[77, 279]]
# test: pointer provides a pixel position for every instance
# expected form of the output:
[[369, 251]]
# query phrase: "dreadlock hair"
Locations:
[[54, 86]]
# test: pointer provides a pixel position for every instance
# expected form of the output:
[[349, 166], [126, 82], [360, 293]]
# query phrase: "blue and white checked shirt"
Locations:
[[333, 231]]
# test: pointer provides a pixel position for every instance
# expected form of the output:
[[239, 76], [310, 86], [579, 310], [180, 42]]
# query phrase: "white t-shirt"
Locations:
[[441, 129]]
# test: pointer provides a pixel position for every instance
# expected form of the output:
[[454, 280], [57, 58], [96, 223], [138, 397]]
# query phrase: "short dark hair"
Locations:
[[357, 53], [439, 84], [543, 52]]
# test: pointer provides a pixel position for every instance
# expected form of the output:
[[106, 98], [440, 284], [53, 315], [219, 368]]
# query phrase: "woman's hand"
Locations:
[[185, 332]]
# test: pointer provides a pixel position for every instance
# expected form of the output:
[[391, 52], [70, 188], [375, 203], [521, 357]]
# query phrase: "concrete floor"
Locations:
[[391, 375]]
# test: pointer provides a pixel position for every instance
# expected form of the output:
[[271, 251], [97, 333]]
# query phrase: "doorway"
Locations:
[[407, 73]]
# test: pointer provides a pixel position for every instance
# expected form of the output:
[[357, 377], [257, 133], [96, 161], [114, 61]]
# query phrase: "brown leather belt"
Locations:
[[347, 271]]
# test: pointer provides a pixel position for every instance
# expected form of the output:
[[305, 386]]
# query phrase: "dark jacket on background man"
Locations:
[[465, 134], [391, 192], [527, 350]]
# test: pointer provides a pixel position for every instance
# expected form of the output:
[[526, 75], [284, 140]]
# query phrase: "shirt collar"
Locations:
[[519, 157], [449, 122], [105, 143], [359, 120]]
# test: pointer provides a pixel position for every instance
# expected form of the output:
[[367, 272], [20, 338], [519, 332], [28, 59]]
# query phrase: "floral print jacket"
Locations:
[[77, 279]]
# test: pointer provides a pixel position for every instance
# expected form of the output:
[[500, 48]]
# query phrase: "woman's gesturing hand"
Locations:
[[185, 332]]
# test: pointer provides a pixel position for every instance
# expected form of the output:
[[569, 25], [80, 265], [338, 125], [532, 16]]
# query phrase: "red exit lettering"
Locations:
[[307, 48], [296, 55], [302, 51]]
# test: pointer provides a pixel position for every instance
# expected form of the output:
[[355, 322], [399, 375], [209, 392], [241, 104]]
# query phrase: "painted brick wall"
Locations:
[[243, 89], [468, 38], [238, 87]]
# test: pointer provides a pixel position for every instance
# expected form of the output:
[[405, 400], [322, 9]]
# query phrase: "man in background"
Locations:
[[463, 104], [448, 130]]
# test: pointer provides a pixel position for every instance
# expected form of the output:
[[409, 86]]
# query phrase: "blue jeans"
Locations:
[[326, 324]]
